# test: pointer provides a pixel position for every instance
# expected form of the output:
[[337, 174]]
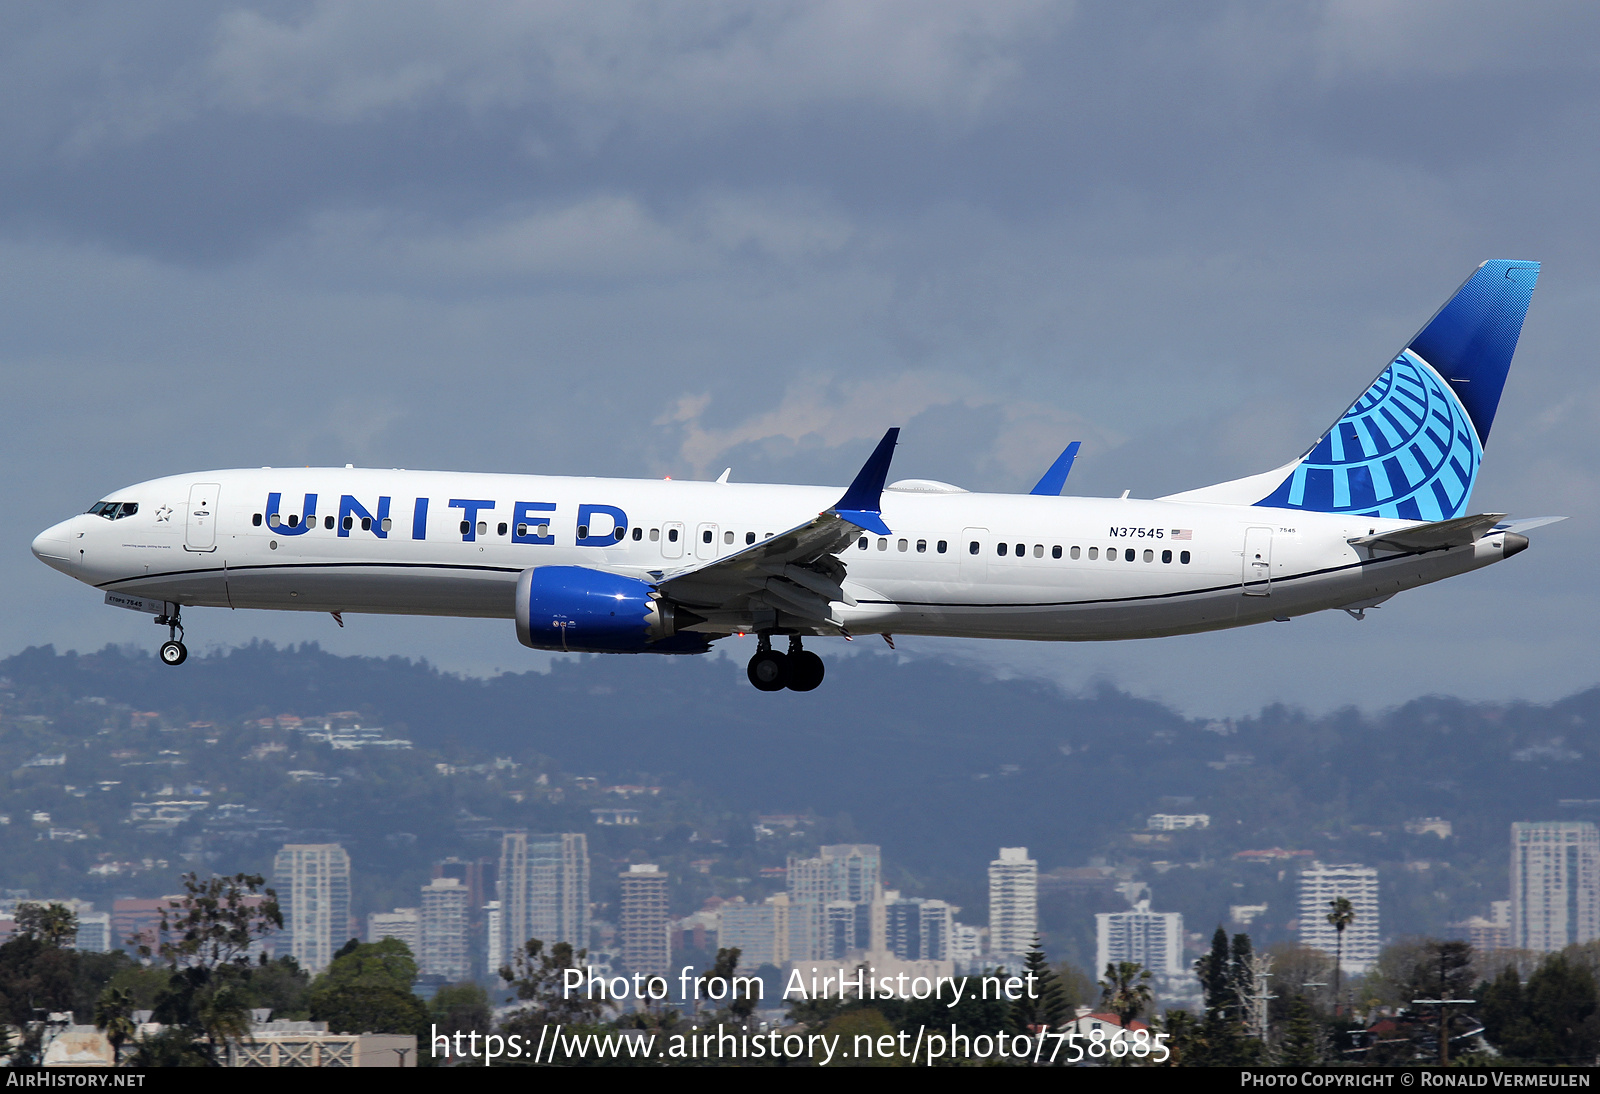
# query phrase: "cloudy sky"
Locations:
[[649, 239]]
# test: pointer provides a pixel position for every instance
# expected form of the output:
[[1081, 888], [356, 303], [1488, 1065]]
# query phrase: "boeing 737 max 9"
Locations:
[[1378, 505]]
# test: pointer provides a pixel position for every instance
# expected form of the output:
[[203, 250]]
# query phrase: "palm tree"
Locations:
[[1341, 913], [113, 1016], [1126, 990]]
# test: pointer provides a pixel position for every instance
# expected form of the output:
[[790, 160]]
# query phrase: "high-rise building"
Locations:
[[494, 934], [643, 923], [842, 873], [1151, 939], [1555, 884], [94, 933], [313, 884], [1013, 902], [544, 890], [446, 950], [1320, 885], [760, 931], [916, 929], [404, 924]]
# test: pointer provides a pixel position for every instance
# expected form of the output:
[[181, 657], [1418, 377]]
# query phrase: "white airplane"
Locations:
[[1378, 505]]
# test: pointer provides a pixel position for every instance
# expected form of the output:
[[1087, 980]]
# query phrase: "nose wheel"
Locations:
[[173, 651], [797, 670]]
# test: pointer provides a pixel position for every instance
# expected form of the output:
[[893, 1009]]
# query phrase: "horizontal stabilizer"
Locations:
[[1526, 524], [1432, 537]]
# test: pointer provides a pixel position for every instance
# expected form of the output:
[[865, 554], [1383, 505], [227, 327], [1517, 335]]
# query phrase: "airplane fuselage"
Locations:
[[956, 563]]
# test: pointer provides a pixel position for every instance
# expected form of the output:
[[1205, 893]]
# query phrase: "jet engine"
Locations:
[[579, 610]]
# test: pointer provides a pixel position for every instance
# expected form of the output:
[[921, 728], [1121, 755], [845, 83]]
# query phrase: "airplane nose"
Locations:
[[53, 547]]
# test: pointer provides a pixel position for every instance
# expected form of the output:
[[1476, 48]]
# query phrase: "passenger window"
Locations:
[[466, 529], [706, 535], [942, 547], [1055, 552], [749, 538], [883, 544], [922, 546], [1022, 549], [767, 536], [483, 526], [544, 529], [972, 548], [522, 530], [1038, 550], [1149, 555], [1000, 549], [583, 531], [638, 534], [862, 543], [327, 522], [902, 545], [1184, 558], [502, 528], [388, 524], [672, 535], [1075, 552], [1127, 555], [655, 535], [616, 533], [294, 520], [727, 537], [1094, 553], [1166, 556], [255, 521], [366, 525], [350, 522]]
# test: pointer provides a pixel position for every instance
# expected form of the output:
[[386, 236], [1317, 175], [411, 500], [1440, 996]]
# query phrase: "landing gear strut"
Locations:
[[173, 651], [797, 670]]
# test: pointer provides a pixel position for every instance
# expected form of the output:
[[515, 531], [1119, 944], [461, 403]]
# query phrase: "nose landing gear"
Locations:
[[798, 670], [173, 651]]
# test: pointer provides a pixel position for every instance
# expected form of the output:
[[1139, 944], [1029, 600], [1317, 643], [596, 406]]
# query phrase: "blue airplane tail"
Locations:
[[1410, 446]]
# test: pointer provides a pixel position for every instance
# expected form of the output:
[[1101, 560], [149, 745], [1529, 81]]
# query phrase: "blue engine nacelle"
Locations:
[[579, 610]]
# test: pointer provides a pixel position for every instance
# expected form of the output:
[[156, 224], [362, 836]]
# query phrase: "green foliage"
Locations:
[[1550, 1020], [1219, 1039], [367, 989], [53, 924], [1046, 1008], [537, 977], [34, 975], [113, 1016], [174, 1046], [1302, 1044], [739, 1001], [215, 923], [463, 1007], [1126, 990]]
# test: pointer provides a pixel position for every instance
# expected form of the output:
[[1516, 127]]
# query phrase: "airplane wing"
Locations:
[[797, 573], [1432, 537]]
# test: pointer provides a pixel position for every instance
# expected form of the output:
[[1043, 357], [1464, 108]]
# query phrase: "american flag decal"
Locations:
[[1183, 533]]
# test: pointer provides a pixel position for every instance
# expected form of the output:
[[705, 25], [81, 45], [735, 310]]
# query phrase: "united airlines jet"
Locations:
[[1378, 505]]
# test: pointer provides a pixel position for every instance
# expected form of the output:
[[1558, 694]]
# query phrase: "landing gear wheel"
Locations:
[[768, 670], [805, 671], [174, 653]]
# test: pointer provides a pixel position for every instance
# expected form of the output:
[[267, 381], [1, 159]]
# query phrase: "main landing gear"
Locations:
[[173, 651], [797, 670]]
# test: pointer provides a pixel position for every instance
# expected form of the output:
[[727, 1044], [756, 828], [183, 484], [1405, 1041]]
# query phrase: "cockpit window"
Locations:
[[114, 510]]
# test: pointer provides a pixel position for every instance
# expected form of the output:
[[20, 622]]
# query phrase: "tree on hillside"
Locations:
[[53, 924], [113, 1016], [1302, 1042], [1047, 1008], [1552, 1019]]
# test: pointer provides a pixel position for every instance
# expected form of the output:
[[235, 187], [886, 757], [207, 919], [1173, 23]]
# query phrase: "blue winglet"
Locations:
[[862, 503], [1055, 479]]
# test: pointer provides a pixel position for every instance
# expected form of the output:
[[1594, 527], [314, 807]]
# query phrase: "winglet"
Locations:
[[1055, 479], [862, 503]]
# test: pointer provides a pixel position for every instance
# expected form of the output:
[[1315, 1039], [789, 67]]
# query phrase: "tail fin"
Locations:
[[1410, 446]]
